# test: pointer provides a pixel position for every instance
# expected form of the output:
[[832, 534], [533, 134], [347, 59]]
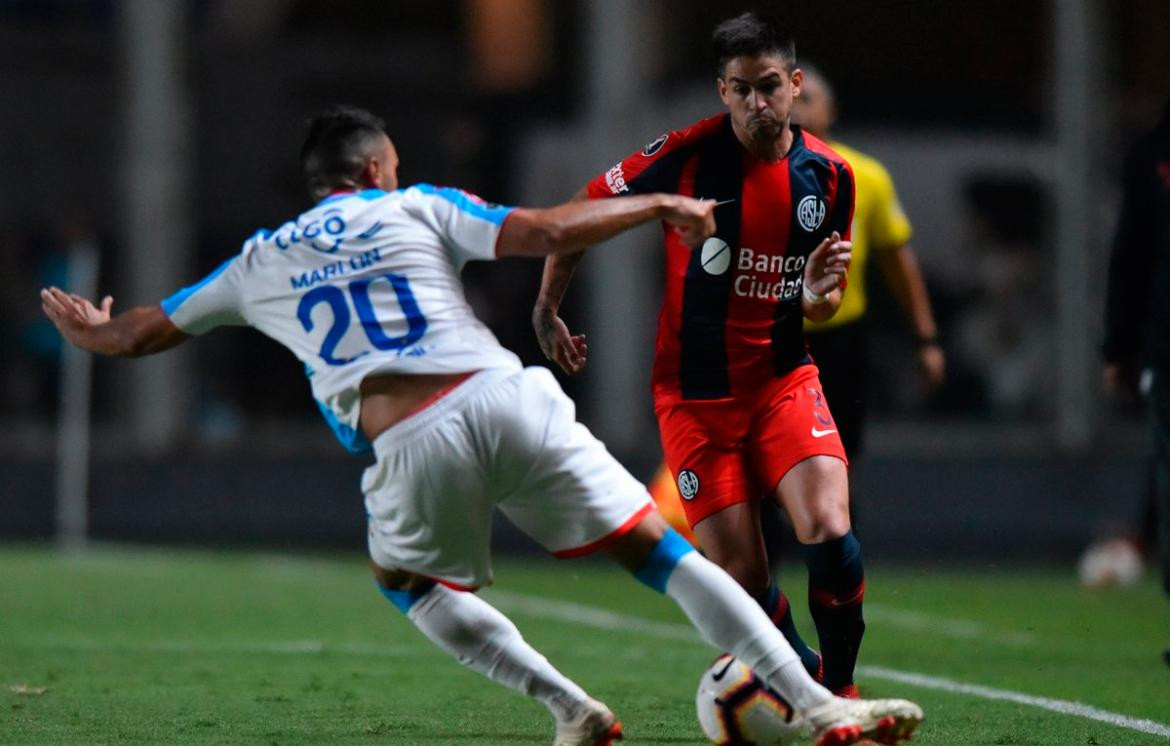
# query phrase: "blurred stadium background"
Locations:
[[155, 135]]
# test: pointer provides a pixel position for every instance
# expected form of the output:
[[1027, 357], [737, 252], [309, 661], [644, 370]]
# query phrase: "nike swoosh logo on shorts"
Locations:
[[821, 433]]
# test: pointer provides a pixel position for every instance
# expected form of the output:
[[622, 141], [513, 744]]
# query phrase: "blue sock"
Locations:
[[656, 570], [775, 605], [403, 599], [836, 588]]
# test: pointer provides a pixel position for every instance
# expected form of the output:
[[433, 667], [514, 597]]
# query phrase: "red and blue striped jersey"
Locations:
[[731, 313]]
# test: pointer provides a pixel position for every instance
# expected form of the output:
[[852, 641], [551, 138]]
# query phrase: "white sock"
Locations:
[[486, 641], [728, 618]]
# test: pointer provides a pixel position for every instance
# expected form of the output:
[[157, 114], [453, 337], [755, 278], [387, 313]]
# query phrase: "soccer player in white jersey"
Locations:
[[364, 288]]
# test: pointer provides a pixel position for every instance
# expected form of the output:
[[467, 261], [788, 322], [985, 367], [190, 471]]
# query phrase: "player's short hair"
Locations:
[[337, 146], [751, 35]]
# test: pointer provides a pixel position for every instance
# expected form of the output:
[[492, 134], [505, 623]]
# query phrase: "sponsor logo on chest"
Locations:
[[772, 277]]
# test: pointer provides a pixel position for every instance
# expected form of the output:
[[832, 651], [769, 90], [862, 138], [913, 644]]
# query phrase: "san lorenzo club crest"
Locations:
[[810, 212], [688, 484]]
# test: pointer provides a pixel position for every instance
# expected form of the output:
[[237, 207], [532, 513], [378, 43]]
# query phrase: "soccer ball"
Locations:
[[736, 708]]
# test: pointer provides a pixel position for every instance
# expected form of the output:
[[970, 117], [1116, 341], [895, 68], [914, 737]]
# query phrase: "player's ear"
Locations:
[[796, 80], [371, 175], [721, 85]]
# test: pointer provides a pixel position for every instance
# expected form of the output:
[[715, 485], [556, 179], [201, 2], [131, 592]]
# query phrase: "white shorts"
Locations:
[[506, 439]]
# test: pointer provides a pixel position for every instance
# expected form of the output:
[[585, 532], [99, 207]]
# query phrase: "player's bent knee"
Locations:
[[827, 523], [632, 549], [401, 587], [656, 570]]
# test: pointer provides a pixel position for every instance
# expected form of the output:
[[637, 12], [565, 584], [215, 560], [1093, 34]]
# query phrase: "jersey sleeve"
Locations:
[[654, 168], [216, 300], [888, 225], [468, 225], [844, 200]]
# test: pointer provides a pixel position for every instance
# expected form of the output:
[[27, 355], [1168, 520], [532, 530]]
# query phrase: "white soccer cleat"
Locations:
[[594, 725], [840, 722]]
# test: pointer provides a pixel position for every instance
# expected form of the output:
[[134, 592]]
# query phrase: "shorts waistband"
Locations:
[[452, 401]]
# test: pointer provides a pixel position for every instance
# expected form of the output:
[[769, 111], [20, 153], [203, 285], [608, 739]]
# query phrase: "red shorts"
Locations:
[[728, 451]]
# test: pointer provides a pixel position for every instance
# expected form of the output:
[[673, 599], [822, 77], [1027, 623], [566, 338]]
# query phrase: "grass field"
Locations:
[[153, 646]]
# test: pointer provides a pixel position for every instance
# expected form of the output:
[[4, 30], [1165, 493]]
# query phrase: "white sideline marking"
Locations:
[[1064, 707], [963, 629], [589, 616], [592, 617]]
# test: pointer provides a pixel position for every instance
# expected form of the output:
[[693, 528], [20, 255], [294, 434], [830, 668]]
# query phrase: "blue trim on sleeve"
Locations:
[[171, 304], [494, 214], [402, 599], [354, 440], [663, 559]]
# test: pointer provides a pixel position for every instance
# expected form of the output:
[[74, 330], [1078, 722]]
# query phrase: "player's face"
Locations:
[[813, 108], [759, 91]]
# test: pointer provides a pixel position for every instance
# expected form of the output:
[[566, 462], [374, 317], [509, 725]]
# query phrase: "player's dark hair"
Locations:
[[751, 35], [337, 146]]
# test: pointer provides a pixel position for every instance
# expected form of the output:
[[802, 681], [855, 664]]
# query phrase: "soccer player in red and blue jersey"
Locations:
[[737, 396]]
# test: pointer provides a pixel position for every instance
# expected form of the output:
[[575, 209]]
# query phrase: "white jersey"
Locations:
[[363, 283]]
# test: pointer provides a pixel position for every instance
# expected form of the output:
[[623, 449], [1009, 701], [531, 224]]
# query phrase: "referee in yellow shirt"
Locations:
[[881, 231]]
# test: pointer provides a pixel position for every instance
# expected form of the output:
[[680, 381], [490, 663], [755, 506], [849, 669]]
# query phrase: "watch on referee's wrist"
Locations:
[[928, 341]]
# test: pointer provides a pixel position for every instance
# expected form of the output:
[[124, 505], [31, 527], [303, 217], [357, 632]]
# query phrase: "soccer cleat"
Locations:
[[594, 725], [840, 722]]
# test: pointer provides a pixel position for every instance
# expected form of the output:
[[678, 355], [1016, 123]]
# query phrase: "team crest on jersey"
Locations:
[[810, 212], [688, 484], [655, 146]]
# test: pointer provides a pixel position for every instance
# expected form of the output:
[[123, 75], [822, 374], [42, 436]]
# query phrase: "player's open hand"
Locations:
[[828, 264], [568, 351], [694, 219], [72, 314]]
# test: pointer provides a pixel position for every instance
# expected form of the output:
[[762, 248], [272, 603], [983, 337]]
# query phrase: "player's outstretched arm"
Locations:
[[576, 225], [824, 276], [140, 331], [571, 228]]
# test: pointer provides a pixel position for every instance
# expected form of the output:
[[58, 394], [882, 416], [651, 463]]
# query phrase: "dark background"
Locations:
[[961, 101]]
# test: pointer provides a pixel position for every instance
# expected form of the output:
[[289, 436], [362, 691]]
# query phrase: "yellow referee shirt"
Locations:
[[878, 224]]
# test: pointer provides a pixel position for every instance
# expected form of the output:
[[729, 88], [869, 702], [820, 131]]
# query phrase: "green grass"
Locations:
[[137, 646]]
